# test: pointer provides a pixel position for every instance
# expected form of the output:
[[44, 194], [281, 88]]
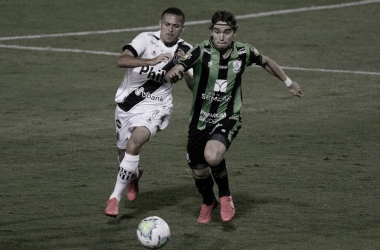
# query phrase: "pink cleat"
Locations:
[[227, 208], [133, 187], [206, 211], [112, 208]]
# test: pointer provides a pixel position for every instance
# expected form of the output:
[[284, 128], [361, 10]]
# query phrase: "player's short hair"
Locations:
[[174, 11], [224, 16]]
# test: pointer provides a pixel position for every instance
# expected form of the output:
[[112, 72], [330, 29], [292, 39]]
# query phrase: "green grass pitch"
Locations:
[[304, 172]]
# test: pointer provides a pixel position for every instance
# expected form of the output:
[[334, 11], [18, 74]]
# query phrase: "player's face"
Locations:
[[171, 27], [222, 35]]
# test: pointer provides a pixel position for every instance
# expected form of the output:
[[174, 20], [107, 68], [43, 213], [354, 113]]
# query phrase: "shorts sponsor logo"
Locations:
[[118, 123], [147, 95], [157, 115], [217, 125], [188, 158]]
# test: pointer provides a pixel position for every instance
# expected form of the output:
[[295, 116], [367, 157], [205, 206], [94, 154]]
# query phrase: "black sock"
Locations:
[[220, 175], [205, 188]]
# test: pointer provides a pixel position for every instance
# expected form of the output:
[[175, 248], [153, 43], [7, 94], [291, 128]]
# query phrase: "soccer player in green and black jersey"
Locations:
[[218, 65]]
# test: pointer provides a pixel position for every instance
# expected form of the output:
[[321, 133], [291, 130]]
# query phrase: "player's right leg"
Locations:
[[130, 138], [129, 172], [201, 175], [139, 136], [205, 184]]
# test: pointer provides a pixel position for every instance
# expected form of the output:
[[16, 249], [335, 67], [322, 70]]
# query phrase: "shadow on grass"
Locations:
[[183, 199]]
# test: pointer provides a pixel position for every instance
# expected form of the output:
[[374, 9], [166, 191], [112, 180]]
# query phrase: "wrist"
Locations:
[[288, 82]]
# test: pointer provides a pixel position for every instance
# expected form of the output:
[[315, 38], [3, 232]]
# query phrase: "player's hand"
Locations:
[[165, 57], [295, 89], [174, 75], [180, 53]]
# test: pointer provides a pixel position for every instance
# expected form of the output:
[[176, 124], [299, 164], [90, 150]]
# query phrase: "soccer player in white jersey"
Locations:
[[144, 99]]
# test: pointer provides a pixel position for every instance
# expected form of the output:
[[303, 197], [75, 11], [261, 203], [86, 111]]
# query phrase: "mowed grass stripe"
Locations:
[[239, 17]]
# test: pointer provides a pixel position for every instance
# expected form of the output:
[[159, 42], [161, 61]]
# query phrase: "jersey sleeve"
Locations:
[[169, 65], [190, 58], [138, 45], [255, 57]]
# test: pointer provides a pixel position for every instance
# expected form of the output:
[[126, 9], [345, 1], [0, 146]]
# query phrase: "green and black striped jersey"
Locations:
[[217, 90]]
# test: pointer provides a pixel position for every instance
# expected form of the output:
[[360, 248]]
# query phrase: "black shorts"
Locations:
[[224, 131]]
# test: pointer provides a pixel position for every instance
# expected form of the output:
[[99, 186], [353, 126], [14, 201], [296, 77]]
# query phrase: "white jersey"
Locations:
[[144, 87]]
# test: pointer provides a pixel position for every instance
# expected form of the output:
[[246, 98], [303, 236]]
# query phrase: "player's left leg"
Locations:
[[129, 164]]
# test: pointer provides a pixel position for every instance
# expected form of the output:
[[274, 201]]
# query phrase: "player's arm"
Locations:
[[188, 76], [128, 60], [272, 68], [175, 74]]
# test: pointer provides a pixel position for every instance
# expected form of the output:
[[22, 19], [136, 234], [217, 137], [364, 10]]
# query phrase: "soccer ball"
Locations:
[[153, 232]]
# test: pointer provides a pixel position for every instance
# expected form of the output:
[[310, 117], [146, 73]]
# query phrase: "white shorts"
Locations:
[[153, 119]]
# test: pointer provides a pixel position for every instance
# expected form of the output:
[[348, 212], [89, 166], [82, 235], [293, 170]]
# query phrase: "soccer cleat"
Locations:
[[206, 211], [112, 208], [227, 208], [133, 187]]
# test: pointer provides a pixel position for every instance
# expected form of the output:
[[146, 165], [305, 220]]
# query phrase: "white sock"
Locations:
[[128, 168]]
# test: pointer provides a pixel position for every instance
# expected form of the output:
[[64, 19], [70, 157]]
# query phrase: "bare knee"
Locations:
[[212, 158], [201, 174], [139, 136], [134, 146], [214, 152]]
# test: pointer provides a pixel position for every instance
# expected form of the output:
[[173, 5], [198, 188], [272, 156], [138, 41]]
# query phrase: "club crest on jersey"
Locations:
[[237, 65], [220, 85]]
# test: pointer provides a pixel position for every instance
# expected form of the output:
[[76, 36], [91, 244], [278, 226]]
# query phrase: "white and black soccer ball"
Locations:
[[153, 232]]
